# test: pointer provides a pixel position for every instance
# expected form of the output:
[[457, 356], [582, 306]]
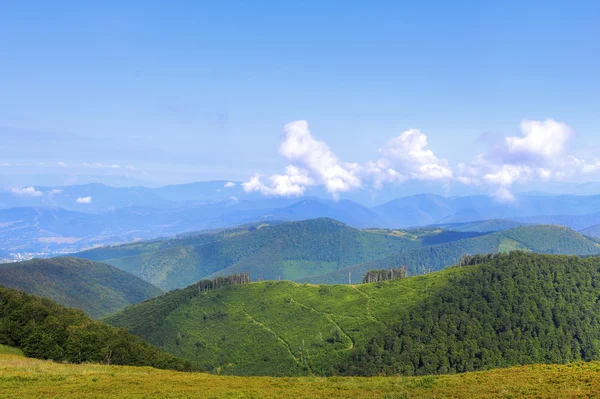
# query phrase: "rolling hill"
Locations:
[[42, 329], [289, 251], [96, 288], [509, 309], [540, 239]]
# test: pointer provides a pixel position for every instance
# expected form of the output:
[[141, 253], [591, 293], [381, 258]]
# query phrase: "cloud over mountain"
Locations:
[[26, 191], [538, 153]]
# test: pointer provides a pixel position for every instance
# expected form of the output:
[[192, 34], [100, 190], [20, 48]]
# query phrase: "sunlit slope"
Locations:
[[97, 288], [27, 378], [459, 319], [541, 239]]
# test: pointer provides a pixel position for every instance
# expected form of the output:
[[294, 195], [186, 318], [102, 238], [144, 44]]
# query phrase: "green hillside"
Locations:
[[288, 251], [516, 308], [43, 329], [96, 288], [541, 239]]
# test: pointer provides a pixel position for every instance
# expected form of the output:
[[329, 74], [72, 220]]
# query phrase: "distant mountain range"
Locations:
[[45, 221], [323, 251]]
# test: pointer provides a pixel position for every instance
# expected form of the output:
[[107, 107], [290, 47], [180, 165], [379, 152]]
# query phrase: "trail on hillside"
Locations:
[[269, 329], [369, 299], [329, 317]]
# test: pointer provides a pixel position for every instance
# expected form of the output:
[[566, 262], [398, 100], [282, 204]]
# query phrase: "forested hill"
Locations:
[[45, 330], [515, 308], [96, 288], [541, 239], [288, 251]]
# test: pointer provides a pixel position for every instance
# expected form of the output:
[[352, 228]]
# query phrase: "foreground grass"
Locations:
[[27, 378]]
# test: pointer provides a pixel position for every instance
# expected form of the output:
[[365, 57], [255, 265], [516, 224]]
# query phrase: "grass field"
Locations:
[[9, 350], [27, 378]]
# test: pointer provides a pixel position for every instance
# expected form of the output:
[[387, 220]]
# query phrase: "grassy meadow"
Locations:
[[28, 378]]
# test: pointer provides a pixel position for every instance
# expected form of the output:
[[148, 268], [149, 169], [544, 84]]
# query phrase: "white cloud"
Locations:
[[291, 184], [538, 153], [229, 184], [315, 159], [62, 164], [26, 191], [92, 165], [408, 153], [130, 167], [84, 200], [99, 165], [313, 163], [504, 195], [544, 138], [54, 191], [4, 164]]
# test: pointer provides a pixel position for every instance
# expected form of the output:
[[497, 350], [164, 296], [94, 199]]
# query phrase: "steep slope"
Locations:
[[541, 239], [509, 309], [288, 251], [96, 288], [45, 330]]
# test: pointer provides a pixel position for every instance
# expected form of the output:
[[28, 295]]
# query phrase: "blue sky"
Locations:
[[184, 91]]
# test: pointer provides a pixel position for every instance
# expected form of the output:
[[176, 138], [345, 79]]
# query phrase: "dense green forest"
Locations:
[[45, 330], [288, 251], [516, 308], [96, 288], [540, 239]]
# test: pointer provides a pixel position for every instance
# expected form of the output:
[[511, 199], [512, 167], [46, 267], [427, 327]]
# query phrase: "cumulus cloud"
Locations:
[[229, 184], [313, 163], [539, 152], [115, 166], [313, 158], [84, 200], [130, 167], [54, 191], [4, 164], [543, 138], [26, 191], [62, 164], [408, 153]]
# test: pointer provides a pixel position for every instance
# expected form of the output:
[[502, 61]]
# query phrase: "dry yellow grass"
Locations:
[[28, 378]]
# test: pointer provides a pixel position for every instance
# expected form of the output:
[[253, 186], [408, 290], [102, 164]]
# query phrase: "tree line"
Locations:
[[375, 276], [222, 282]]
